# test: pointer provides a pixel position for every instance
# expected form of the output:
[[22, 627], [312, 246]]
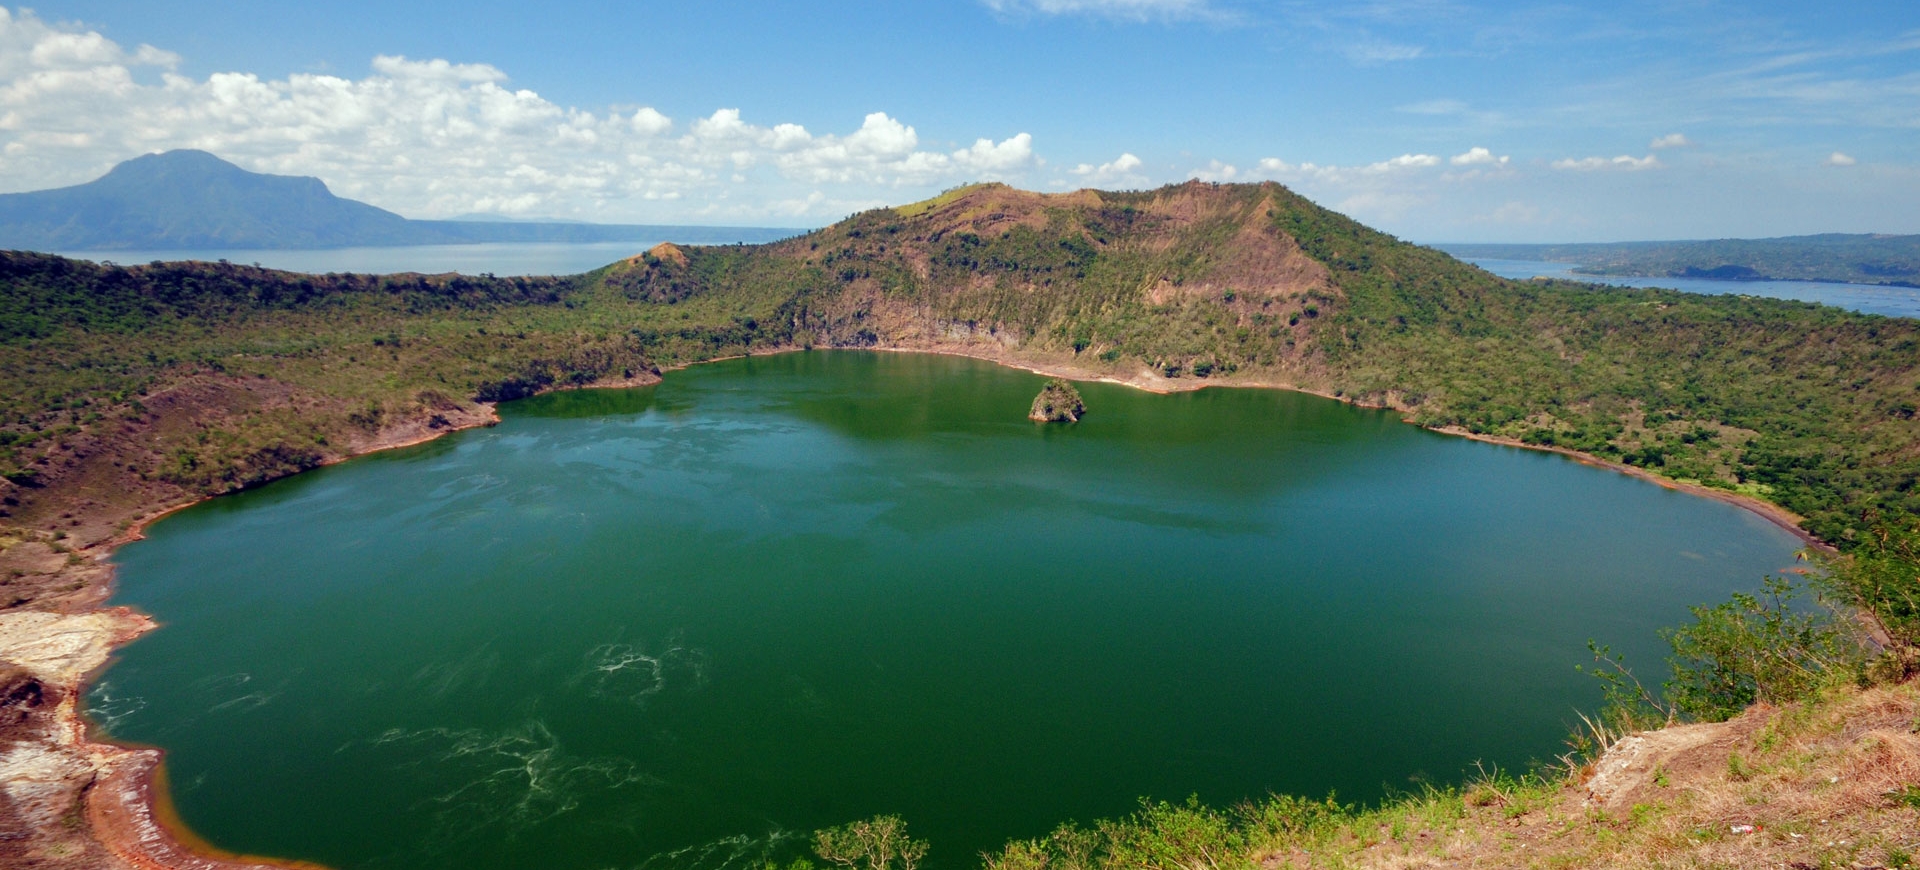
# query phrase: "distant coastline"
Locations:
[[1869, 259]]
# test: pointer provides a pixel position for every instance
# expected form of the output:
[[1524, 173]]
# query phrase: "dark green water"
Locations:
[[779, 593]]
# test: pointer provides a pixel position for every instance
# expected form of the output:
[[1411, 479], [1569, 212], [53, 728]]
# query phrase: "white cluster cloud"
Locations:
[[1839, 159], [1122, 171], [1589, 164], [1382, 191], [1671, 140], [1276, 169], [431, 138], [1477, 156], [1138, 10]]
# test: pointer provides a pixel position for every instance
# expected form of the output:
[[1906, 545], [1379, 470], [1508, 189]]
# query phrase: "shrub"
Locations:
[[1863, 625], [1757, 648], [879, 843], [1881, 580]]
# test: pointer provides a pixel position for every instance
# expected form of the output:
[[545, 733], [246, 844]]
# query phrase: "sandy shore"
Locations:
[[53, 767]]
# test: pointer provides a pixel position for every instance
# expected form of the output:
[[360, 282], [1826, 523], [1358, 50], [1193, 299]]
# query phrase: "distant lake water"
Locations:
[[684, 625], [1890, 301], [498, 258]]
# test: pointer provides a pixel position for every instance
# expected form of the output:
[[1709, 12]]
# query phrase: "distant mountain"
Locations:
[[187, 200], [1854, 259]]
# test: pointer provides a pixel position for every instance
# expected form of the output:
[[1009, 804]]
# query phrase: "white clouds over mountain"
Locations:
[[1122, 171], [429, 137]]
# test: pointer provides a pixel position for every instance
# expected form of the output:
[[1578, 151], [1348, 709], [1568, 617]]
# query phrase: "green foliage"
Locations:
[[1775, 647], [1881, 580], [1164, 836], [1768, 648], [879, 843], [1757, 648], [1627, 705]]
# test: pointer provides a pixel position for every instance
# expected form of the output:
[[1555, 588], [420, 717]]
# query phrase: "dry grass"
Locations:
[[1830, 783]]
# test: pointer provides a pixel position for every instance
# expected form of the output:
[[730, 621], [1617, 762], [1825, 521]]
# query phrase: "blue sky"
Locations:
[[1595, 121]]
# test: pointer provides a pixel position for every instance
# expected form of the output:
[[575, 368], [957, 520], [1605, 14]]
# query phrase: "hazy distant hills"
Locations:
[[1856, 259], [185, 200]]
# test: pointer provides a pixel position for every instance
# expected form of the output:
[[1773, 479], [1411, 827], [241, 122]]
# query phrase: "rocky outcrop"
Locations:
[[1058, 402]]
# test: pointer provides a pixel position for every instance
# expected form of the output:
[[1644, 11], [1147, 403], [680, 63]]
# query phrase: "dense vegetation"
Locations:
[[1859, 258]]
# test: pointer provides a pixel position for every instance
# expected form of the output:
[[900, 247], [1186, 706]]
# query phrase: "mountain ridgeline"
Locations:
[[1810, 407], [192, 200]]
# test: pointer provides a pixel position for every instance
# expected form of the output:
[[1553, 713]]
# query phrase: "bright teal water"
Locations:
[[779, 593]]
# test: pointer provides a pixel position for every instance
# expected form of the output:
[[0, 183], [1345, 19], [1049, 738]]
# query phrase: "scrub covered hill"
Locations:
[[136, 387]]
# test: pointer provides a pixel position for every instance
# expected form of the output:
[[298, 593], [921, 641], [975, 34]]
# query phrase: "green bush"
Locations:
[[1862, 625], [1880, 579], [1758, 648], [879, 843]]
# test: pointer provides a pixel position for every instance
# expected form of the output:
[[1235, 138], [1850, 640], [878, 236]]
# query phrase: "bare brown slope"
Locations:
[[1133, 287]]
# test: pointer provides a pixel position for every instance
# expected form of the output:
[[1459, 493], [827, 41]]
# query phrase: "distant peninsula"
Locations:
[[193, 200], [1838, 257]]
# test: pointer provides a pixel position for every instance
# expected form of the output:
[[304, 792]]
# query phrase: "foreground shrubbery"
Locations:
[[1853, 619]]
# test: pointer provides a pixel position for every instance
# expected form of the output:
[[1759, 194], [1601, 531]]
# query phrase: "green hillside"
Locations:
[[1810, 407]]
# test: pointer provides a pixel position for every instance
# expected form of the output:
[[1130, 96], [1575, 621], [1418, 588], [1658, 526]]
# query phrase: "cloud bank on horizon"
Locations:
[[435, 138]]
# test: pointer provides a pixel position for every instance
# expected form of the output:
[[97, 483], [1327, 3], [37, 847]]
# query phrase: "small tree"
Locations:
[[1757, 648], [879, 843], [1881, 580]]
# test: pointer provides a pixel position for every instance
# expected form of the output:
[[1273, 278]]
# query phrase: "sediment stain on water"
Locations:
[[681, 626]]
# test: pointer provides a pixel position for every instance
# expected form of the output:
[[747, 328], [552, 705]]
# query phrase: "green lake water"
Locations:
[[682, 626]]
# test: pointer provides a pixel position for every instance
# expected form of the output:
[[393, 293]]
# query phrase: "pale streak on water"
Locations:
[[628, 673], [727, 853], [508, 780]]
